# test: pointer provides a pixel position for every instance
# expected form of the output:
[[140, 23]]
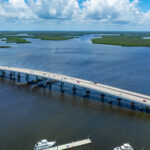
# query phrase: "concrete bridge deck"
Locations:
[[120, 93]]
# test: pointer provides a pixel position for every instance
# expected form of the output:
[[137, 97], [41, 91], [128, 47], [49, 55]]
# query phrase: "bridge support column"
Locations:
[[141, 108], [14, 76], [119, 101], [110, 101], [36, 78], [74, 89], [86, 93], [147, 109], [62, 87], [18, 77], [10, 75], [49, 85], [132, 105], [3, 73], [102, 97], [27, 77]]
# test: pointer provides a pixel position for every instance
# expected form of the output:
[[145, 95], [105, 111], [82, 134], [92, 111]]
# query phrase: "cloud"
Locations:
[[100, 11], [111, 10], [15, 9], [54, 9]]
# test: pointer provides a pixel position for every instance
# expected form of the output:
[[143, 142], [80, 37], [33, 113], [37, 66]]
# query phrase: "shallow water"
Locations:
[[27, 116]]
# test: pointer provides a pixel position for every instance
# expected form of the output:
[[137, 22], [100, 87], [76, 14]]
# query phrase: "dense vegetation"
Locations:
[[123, 40], [11, 37], [5, 46], [50, 36], [15, 39]]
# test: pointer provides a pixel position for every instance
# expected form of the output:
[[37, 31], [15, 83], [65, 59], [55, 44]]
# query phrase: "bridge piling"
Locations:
[[141, 108], [10, 75], [132, 105], [86, 93], [119, 101], [50, 86], [27, 77], [18, 77], [74, 89], [14, 75], [147, 109], [2, 74], [62, 87], [102, 97], [110, 102]]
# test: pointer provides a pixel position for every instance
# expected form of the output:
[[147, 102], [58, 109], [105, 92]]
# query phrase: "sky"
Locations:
[[75, 15]]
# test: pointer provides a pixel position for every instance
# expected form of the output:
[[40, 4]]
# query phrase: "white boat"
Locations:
[[43, 144], [125, 146]]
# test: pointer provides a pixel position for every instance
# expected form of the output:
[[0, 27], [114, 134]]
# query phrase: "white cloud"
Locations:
[[54, 9], [14, 9], [115, 11], [100, 11]]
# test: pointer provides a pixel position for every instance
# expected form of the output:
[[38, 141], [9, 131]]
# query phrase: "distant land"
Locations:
[[5, 46], [123, 40], [110, 38]]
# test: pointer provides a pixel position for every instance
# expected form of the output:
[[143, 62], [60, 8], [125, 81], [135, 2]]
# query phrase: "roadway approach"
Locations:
[[134, 98]]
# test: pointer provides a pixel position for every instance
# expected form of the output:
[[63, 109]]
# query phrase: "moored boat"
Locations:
[[44, 144], [125, 146]]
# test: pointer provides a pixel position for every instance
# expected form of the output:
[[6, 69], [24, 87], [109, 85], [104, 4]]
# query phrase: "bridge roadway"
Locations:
[[119, 93]]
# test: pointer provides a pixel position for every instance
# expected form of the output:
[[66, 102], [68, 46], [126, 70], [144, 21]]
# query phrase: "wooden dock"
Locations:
[[71, 145]]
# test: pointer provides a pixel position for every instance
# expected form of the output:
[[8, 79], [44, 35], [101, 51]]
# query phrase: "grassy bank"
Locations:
[[123, 40], [15, 39], [5, 46], [11, 37], [51, 37]]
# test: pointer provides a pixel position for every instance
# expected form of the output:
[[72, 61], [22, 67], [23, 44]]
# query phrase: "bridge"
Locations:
[[50, 78]]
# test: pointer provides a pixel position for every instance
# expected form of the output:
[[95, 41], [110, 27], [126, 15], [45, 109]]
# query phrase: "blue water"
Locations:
[[27, 116]]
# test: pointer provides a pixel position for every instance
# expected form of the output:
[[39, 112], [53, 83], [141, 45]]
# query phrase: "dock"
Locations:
[[71, 145]]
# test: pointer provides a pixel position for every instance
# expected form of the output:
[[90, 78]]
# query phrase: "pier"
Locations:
[[71, 145], [44, 79]]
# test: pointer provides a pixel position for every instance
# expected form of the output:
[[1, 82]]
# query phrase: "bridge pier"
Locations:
[[132, 105], [62, 87], [86, 93], [110, 101], [74, 89], [10, 75], [14, 76], [2, 74], [50, 85], [36, 78], [102, 97], [119, 101], [18, 77], [141, 108], [147, 109], [27, 77]]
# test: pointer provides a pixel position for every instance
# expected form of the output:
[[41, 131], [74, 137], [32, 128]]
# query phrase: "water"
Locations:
[[146, 37], [27, 116]]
